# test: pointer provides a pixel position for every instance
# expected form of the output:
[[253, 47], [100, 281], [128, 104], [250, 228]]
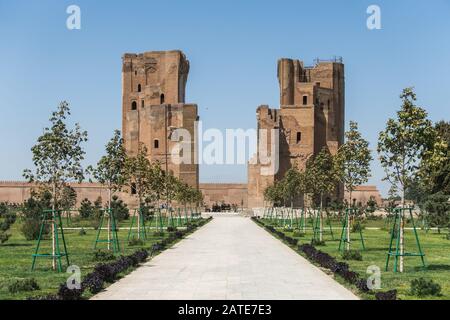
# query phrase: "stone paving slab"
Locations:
[[228, 258]]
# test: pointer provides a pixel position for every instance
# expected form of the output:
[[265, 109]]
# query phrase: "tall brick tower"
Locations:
[[153, 106], [311, 116]]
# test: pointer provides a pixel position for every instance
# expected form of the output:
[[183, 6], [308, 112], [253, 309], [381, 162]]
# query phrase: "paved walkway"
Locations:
[[228, 258]]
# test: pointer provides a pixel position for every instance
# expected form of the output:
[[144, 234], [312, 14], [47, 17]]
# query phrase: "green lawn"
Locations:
[[15, 257], [435, 246]]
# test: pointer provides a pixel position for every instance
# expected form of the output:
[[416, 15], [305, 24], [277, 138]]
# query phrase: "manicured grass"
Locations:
[[434, 245], [15, 257]]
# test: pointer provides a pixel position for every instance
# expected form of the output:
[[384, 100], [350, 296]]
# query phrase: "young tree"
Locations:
[[184, 194], [57, 157], [353, 165], [86, 209], [291, 184], [138, 177], [439, 177], [353, 160], [322, 178], [109, 171], [157, 183], [407, 144], [274, 193], [68, 198]]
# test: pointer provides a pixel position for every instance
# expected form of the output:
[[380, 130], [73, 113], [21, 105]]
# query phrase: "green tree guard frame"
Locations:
[[172, 220], [270, 214], [186, 217], [279, 213], [316, 227], [311, 218], [301, 222], [113, 229], [52, 217], [395, 252], [141, 232], [159, 221], [345, 225]]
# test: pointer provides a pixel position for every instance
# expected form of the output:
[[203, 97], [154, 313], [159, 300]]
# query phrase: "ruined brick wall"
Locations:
[[311, 116], [153, 107], [19, 191], [364, 193], [229, 193]]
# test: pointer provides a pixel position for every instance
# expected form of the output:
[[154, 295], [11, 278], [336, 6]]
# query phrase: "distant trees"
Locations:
[[353, 166], [7, 219], [353, 160], [109, 172], [438, 210]]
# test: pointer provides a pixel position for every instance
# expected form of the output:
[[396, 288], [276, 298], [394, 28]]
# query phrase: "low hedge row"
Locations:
[[324, 260], [108, 272]]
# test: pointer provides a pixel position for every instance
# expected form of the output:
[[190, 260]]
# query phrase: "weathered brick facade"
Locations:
[[310, 117], [153, 107]]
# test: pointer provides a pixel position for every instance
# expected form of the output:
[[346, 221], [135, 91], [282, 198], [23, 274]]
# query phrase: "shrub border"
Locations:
[[326, 261]]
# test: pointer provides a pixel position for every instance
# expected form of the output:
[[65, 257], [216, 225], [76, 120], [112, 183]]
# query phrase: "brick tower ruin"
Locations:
[[153, 106], [311, 116]]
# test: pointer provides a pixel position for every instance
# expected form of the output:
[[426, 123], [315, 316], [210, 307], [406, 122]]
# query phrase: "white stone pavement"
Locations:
[[229, 258]]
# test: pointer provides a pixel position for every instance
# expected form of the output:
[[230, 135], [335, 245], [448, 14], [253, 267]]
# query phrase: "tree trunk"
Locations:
[[401, 233], [321, 219], [139, 218], [348, 223], [53, 228], [109, 218]]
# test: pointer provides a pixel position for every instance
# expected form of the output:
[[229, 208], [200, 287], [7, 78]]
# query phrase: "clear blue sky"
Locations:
[[233, 47]]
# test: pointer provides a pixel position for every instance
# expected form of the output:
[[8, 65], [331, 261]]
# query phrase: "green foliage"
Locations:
[[57, 154], [357, 227], [98, 208], [440, 176], [32, 211], [352, 255], [353, 159], [161, 233], [292, 184], [438, 208], [409, 147], [317, 242], [103, 255], [111, 167], [68, 198], [298, 233], [20, 285], [139, 175], [119, 209], [135, 242], [274, 194], [7, 219], [322, 175], [371, 205], [185, 194], [86, 209], [422, 287]]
